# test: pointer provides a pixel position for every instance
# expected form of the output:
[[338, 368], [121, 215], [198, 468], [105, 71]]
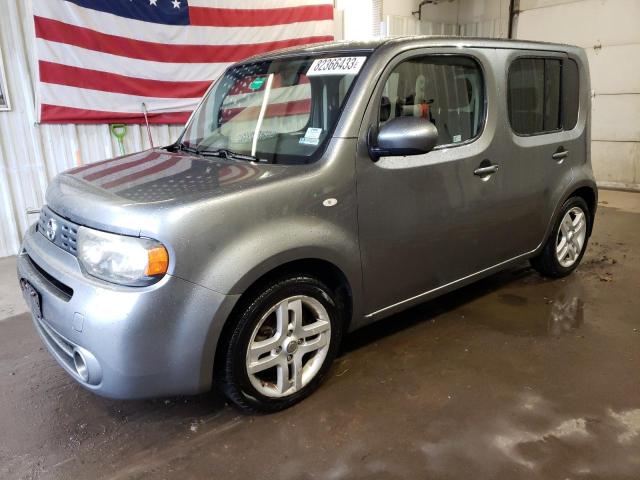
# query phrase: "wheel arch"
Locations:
[[588, 191], [322, 269], [590, 196]]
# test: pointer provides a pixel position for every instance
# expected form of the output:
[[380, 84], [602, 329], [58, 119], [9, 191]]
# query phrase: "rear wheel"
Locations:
[[568, 241], [282, 345]]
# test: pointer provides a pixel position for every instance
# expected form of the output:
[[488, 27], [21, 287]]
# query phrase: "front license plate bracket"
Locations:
[[32, 298]]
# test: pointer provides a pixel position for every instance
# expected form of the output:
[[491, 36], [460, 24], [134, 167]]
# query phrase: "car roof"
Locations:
[[365, 46]]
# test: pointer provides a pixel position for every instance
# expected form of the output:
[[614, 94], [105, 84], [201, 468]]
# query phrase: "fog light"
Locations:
[[80, 365]]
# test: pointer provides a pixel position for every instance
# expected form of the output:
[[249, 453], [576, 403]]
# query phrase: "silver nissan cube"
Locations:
[[313, 191]]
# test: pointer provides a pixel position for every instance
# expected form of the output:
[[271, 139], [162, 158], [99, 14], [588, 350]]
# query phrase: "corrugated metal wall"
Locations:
[[465, 18], [31, 155], [395, 25], [485, 28], [469, 26]]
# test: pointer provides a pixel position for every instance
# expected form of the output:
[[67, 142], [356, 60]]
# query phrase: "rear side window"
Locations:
[[570, 93], [551, 95], [446, 90], [542, 95]]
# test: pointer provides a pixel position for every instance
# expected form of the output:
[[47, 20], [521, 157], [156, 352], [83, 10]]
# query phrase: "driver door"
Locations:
[[426, 221]]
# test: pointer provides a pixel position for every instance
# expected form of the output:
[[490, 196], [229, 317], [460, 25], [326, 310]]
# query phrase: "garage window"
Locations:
[[447, 90], [542, 95]]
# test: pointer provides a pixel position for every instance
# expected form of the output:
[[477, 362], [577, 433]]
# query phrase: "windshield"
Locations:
[[280, 111]]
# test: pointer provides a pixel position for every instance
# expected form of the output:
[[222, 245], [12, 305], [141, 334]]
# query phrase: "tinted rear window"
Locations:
[[543, 95], [551, 95], [570, 93]]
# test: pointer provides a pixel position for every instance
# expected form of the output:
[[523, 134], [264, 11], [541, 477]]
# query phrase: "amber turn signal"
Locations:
[[158, 261]]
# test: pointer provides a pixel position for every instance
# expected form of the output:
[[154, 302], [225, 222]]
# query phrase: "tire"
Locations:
[[548, 262], [281, 369]]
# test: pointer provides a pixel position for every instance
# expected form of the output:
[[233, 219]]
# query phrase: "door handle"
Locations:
[[560, 155], [482, 171]]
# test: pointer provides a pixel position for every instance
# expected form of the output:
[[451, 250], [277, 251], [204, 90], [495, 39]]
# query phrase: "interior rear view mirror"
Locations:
[[403, 136]]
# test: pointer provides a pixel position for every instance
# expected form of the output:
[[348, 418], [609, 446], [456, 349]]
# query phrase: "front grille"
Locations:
[[63, 291], [65, 234]]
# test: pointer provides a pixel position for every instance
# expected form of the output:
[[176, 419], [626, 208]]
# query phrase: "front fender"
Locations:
[[237, 265], [310, 213]]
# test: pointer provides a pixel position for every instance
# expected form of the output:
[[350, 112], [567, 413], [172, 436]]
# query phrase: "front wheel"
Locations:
[[568, 241], [282, 345]]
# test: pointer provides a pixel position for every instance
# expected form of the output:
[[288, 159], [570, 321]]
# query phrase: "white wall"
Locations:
[[488, 18], [609, 31], [436, 19], [399, 8], [471, 18], [357, 18], [443, 12]]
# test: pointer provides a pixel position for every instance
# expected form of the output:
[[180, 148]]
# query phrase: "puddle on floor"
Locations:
[[512, 299], [567, 314], [529, 309]]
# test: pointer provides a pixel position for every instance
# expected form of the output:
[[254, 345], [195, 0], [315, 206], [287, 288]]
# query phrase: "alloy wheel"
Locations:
[[288, 346], [571, 237]]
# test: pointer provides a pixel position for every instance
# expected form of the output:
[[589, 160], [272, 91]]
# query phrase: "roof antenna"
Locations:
[[146, 120]]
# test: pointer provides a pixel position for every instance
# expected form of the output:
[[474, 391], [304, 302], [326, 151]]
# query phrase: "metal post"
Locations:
[[144, 110]]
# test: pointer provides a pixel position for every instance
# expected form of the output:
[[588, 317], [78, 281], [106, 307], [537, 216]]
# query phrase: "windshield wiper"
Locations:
[[186, 148], [221, 153], [226, 153]]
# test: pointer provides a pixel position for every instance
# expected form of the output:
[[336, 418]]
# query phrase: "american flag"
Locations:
[[99, 60]]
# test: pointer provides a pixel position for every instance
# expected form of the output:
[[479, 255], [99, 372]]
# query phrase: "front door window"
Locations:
[[447, 90]]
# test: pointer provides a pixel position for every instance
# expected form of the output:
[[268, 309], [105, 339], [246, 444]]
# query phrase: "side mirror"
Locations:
[[403, 136]]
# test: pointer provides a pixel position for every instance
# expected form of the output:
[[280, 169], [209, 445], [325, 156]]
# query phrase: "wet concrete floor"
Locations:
[[515, 377]]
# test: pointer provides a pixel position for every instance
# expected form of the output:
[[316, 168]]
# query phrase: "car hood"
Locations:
[[118, 193], [158, 176]]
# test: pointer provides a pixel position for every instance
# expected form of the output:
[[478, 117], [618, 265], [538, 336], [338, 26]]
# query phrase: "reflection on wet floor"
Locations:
[[516, 302], [567, 314]]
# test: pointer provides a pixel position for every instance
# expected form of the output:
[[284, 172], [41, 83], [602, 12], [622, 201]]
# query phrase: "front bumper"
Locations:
[[137, 341]]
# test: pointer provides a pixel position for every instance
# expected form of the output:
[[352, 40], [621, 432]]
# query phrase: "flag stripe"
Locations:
[[231, 17], [244, 87], [233, 173], [110, 161], [143, 173], [60, 114], [169, 35], [117, 168], [112, 102], [277, 95], [155, 160], [295, 107], [111, 82], [79, 57], [56, 31], [168, 170], [252, 4]]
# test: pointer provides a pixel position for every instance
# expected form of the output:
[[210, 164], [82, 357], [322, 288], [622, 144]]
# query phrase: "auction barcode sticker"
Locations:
[[336, 66]]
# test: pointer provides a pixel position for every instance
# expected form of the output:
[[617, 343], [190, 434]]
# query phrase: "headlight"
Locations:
[[121, 259]]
